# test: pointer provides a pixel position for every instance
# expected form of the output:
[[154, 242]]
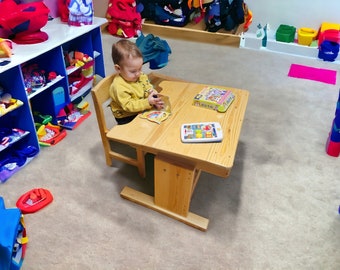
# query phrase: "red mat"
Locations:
[[314, 74]]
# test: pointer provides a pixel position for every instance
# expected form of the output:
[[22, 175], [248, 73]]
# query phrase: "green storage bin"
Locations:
[[285, 33]]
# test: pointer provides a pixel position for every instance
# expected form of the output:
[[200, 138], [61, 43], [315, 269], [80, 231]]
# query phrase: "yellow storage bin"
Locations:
[[306, 35], [329, 25]]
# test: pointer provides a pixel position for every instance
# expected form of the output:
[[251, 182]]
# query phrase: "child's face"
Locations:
[[130, 69]]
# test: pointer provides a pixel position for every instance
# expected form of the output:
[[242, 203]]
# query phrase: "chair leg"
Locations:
[[141, 162], [108, 158]]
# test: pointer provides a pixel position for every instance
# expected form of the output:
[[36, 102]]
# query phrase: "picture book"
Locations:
[[201, 132], [214, 98], [158, 116]]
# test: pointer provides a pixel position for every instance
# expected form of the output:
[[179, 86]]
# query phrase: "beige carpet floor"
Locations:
[[277, 210]]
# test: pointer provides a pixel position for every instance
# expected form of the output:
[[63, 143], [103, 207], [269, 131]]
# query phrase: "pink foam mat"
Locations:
[[314, 74]]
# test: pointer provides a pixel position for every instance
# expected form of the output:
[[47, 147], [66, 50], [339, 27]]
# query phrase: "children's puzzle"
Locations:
[[158, 116], [214, 98], [201, 132]]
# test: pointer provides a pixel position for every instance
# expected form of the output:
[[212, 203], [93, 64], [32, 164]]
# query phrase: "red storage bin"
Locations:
[[330, 35]]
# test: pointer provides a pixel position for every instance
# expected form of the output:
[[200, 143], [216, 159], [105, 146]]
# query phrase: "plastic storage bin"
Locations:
[[328, 25], [328, 51], [329, 35], [306, 35], [285, 33]]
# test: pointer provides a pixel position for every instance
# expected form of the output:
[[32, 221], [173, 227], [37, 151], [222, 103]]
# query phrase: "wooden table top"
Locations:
[[164, 139]]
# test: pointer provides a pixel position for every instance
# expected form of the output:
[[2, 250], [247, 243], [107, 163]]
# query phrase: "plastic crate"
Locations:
[[329, 25], [329, 35]]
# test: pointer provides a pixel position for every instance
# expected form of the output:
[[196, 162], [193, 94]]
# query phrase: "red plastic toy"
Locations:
[[34, 200]]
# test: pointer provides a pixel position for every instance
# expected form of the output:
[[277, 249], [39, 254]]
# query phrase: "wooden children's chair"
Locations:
[[101, 100]]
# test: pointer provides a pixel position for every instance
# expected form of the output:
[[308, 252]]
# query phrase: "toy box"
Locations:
[[329, 25], [214, 98], [285, 33], [306, 35]]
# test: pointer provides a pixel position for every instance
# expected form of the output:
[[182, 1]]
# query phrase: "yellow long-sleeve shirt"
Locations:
[[129, 98]]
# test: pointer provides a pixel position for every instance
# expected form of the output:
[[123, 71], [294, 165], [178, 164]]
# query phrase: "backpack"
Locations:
[[124, 18], [13, 238], [166, 12], [224, 14]]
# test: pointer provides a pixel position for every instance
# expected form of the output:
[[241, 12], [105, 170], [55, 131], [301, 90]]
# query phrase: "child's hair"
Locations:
[[124, 49]]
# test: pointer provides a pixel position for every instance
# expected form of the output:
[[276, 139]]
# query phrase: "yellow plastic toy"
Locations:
[[5, 48], [306, 35]]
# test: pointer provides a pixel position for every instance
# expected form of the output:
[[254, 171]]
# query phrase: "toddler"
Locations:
[[131, 90]]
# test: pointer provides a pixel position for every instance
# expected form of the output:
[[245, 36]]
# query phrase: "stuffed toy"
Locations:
[[80, 12], [63, 9], [124, 18], [22, 22]]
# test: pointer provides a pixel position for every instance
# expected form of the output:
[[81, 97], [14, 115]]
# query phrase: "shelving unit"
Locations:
[[250, 41], [52, 97], [193, 32]]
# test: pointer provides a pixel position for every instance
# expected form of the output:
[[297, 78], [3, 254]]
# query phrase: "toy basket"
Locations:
[[306, 36], [329, 35], [329, 25], [285, 33]]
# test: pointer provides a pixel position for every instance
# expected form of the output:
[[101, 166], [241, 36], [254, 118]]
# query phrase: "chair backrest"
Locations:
[[101, 96], [101, 100]]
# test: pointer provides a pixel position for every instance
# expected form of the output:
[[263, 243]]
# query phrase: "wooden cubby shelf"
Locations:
[[193, 32]]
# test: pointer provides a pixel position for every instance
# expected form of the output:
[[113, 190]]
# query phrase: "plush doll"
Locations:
[[63, 9], [80, 12], [22, 22], [124, 18]]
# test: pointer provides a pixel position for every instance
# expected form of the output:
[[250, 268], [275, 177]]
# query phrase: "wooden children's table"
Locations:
[[177, 165]]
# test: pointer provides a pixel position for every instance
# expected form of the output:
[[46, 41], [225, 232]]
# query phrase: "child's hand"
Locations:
[[155, 100]]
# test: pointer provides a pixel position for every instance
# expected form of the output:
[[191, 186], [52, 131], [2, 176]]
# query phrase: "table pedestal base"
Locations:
[[174, 186], [143, 199]]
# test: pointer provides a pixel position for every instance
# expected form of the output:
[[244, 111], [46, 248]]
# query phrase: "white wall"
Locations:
[[100, 7], [298, 13]]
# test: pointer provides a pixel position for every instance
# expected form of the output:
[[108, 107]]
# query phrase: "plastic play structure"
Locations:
[[333, 142]]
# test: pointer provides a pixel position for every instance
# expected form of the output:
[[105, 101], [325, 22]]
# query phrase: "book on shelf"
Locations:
[[214, 98]]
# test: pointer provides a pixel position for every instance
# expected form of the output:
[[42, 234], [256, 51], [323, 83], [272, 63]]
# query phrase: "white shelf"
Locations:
[[37, 91], [82, 91], [58, 34], [250, 41], [71, 69]]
